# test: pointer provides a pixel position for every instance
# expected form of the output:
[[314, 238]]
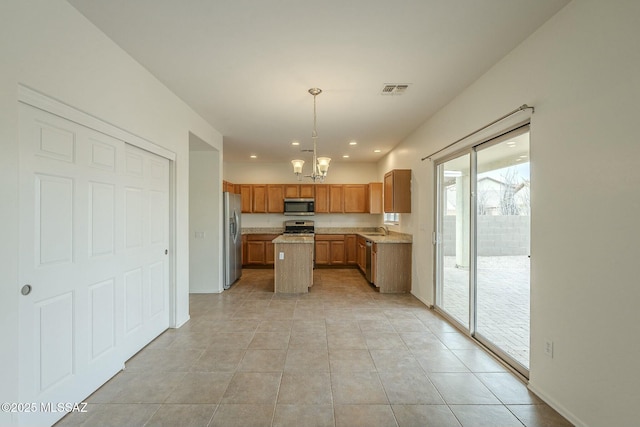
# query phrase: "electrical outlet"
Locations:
[[281, 255], [548, 348]]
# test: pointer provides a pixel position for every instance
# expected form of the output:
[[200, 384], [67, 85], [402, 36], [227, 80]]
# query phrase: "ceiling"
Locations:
[[246, 65]]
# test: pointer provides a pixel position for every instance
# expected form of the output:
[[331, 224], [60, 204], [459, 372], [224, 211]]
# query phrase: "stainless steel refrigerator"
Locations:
[[232, 238]]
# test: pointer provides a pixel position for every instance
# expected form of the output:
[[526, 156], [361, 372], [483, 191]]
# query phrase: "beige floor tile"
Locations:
[[263, 361], [424, 416], [181, 415], [341, 360], [357, 388], [538, 416], [395, 361], [303, 415], [346, 340], [364, 416], [270, 340], [243, 415], [384, 341], [118, 415], [305, 388], [253, 388], [508, 389], [485, 416], [478, 360], [438, 360], [409, 388], [148, 387], [201, 388], [213, 360], [462, 389], [307, 360], [349, 351]]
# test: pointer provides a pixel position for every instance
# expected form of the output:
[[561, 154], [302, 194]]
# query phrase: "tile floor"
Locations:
[[342, 355]]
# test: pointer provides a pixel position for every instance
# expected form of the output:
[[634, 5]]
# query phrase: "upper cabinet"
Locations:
[[375, 198], [397, 191], [329, 198], [356, 198], [275, 198], [299, 190]]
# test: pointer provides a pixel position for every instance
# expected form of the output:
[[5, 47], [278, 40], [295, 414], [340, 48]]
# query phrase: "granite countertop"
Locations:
[[262, 230], [292, 238], [370, 233]]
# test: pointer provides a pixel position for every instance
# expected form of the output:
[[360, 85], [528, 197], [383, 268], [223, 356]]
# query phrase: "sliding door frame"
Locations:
[[471, 149]]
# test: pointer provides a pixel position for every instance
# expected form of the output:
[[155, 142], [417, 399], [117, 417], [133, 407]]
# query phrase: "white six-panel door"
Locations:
[[94, 222]]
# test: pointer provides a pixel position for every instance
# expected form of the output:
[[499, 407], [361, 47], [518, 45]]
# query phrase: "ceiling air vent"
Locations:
[[394, 89]]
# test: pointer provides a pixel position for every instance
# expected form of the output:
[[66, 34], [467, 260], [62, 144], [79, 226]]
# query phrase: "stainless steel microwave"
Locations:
[[299, 206]]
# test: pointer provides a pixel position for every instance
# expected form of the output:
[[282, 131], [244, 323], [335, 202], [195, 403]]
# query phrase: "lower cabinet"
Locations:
[[391, 267], [258, 249], [361, 253], [335, 249]]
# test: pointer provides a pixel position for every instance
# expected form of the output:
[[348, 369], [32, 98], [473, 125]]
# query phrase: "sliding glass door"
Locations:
[[482, 251]]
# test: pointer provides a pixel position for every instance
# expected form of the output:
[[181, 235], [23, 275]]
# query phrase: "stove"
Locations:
[[299, 227]]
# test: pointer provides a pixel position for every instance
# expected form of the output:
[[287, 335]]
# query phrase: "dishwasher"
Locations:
[[367, 270]]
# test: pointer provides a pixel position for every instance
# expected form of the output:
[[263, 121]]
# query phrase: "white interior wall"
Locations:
[[581, 71], [50, 47], [205, 218]]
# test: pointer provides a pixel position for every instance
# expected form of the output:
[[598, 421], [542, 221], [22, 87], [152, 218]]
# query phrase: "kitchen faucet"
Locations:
[[385, 229]]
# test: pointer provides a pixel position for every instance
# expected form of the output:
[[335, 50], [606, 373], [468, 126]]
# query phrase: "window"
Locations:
[[391, 218]]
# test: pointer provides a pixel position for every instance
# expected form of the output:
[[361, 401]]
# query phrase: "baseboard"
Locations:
[[179, 325], [557, 406], [422, 300]]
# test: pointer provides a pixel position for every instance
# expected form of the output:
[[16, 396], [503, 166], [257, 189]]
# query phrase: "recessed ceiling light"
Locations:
[[346, 156], [295, 143], [253, 156], [377, 151], [353, 143]]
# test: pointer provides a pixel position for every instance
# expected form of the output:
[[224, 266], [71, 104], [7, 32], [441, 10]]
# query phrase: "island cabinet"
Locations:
[[397, 191], [293, 264], [258, 249], [391, 267]]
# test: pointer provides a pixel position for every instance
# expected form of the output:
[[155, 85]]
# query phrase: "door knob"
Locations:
[[26, 290]]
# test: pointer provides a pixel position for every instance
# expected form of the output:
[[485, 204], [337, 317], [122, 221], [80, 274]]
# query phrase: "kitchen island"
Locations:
[[293, 263]]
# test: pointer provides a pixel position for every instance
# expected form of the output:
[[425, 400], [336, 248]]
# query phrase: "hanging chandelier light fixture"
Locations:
[[320, 164]]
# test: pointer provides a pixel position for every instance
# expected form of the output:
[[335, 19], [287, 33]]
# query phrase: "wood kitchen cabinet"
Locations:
[[356, 198], [375, 198], [391, 267], [361, 253], [307, 191], [299, 190], [259, 198], [397, 191], [330, 249], [336, 198], [275, 198], [247, 198], [259, 249], [350, 249], [322, 198]]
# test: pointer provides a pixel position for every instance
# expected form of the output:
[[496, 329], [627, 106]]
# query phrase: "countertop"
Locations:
[[292, 238], [392, 237]]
